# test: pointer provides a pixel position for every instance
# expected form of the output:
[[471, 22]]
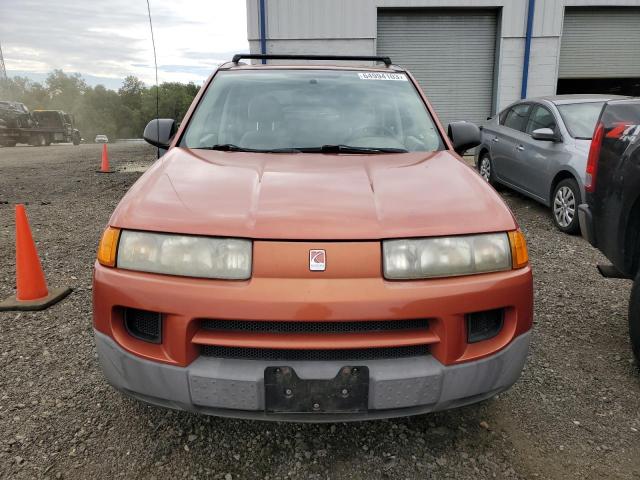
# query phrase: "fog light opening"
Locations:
[[484, 325], [143, 325]]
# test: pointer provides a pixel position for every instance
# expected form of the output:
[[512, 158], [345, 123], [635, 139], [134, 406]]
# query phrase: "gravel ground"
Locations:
[[573, 414]]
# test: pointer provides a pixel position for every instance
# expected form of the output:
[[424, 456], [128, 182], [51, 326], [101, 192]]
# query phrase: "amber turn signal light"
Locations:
[[108, 247], [519, 253]]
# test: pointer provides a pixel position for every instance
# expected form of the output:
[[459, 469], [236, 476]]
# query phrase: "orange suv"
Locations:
[[312, 248]]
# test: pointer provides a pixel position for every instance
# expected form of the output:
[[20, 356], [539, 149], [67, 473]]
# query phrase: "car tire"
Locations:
[[564, 206], [634, 318], [485, 168]]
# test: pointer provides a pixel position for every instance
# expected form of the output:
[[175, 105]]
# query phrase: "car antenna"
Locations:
[[155, 62]]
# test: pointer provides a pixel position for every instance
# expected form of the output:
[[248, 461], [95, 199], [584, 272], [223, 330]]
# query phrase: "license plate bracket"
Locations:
[[347, 392]]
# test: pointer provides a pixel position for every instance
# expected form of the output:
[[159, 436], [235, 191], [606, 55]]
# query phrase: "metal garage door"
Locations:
[[600, 43], [450, 52]]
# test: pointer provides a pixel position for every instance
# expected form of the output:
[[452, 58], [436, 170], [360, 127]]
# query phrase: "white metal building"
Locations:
[[470, 56]]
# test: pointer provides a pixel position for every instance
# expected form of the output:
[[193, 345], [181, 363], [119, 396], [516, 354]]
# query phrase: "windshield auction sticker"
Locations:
[[382, 76]]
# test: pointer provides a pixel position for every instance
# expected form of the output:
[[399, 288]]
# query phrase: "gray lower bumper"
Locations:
[[235, 388]]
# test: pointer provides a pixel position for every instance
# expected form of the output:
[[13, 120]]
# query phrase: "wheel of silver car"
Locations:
[[485, 168], [566, 199], [564, 206]]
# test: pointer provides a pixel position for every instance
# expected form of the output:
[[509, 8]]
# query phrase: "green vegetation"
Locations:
[[121, 114]]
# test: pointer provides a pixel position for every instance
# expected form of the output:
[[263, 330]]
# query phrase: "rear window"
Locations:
[[580, 118], [280, 109]]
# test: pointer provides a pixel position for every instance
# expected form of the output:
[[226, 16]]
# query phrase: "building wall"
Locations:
[[335, 46], [350, 27]]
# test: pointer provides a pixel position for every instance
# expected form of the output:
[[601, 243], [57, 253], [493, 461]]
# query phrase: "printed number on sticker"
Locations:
[[382, 76]]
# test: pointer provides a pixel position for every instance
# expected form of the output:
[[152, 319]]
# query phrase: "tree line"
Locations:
[[97, 110]]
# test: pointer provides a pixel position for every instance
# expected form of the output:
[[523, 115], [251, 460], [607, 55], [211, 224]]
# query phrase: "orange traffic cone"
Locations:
[[32, 292], [104, 166]]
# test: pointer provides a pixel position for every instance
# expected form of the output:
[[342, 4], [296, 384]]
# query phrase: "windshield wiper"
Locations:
[[351, 149], [230, 147]]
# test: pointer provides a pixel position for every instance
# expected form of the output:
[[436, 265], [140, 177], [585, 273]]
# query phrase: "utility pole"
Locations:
[[3, 70]]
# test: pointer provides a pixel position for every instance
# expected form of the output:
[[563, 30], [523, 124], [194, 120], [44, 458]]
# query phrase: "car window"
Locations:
[[285, 109], [517, 117], [580, 118], [540, 118]]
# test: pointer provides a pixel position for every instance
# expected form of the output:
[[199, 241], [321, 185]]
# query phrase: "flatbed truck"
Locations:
[[37, 128]]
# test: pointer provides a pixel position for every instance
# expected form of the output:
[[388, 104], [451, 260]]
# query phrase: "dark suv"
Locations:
[[610, 219]]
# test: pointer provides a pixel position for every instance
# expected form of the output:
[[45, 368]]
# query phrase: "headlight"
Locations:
[[190, 256], [446, 256]]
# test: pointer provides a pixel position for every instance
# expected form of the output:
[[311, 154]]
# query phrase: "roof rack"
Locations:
[[369, 58]]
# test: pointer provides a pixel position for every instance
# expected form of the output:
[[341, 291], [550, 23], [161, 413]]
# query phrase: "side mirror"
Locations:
[[159, 132], [545, 134], [464, 135]]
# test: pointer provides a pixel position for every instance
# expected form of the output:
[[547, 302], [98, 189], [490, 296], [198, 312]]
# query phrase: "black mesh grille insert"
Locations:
[[314, 327], [318, 355], [484, 325], [143, 325]]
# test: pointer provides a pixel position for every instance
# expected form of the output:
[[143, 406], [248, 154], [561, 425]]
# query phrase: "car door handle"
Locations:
[[520, 148], [495, 139]]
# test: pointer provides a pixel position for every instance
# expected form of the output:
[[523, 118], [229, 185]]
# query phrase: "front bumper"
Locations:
[[235, 388], [183, 372], [185, 302]]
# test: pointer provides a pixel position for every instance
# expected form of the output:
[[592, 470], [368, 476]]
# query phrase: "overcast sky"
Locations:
[[106, 40]]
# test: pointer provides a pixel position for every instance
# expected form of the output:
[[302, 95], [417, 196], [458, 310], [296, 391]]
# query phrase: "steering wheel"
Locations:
[[372, 131]]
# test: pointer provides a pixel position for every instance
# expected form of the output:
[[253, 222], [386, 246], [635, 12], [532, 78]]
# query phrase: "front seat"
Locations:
[[265, 116]]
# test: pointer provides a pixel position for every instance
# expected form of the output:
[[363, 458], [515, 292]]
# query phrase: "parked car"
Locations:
[[312, 248], [101, 139], [610, 218], [539, 147]]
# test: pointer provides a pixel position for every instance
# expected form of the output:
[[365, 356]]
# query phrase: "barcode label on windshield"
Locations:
[[382, 76]]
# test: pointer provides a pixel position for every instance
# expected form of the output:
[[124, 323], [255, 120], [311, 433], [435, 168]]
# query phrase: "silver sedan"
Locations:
[[539, 147]]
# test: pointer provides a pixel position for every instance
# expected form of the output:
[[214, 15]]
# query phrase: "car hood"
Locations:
[[312, 196]]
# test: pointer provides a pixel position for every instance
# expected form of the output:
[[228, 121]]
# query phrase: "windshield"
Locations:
[[580, 118], [309, 109]]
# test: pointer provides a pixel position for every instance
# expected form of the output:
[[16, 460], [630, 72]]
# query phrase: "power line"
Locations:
[[3, 70], [155, 62]]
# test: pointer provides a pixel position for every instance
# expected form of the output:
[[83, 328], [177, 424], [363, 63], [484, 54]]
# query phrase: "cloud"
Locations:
[[110, 39], [184, 69]]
